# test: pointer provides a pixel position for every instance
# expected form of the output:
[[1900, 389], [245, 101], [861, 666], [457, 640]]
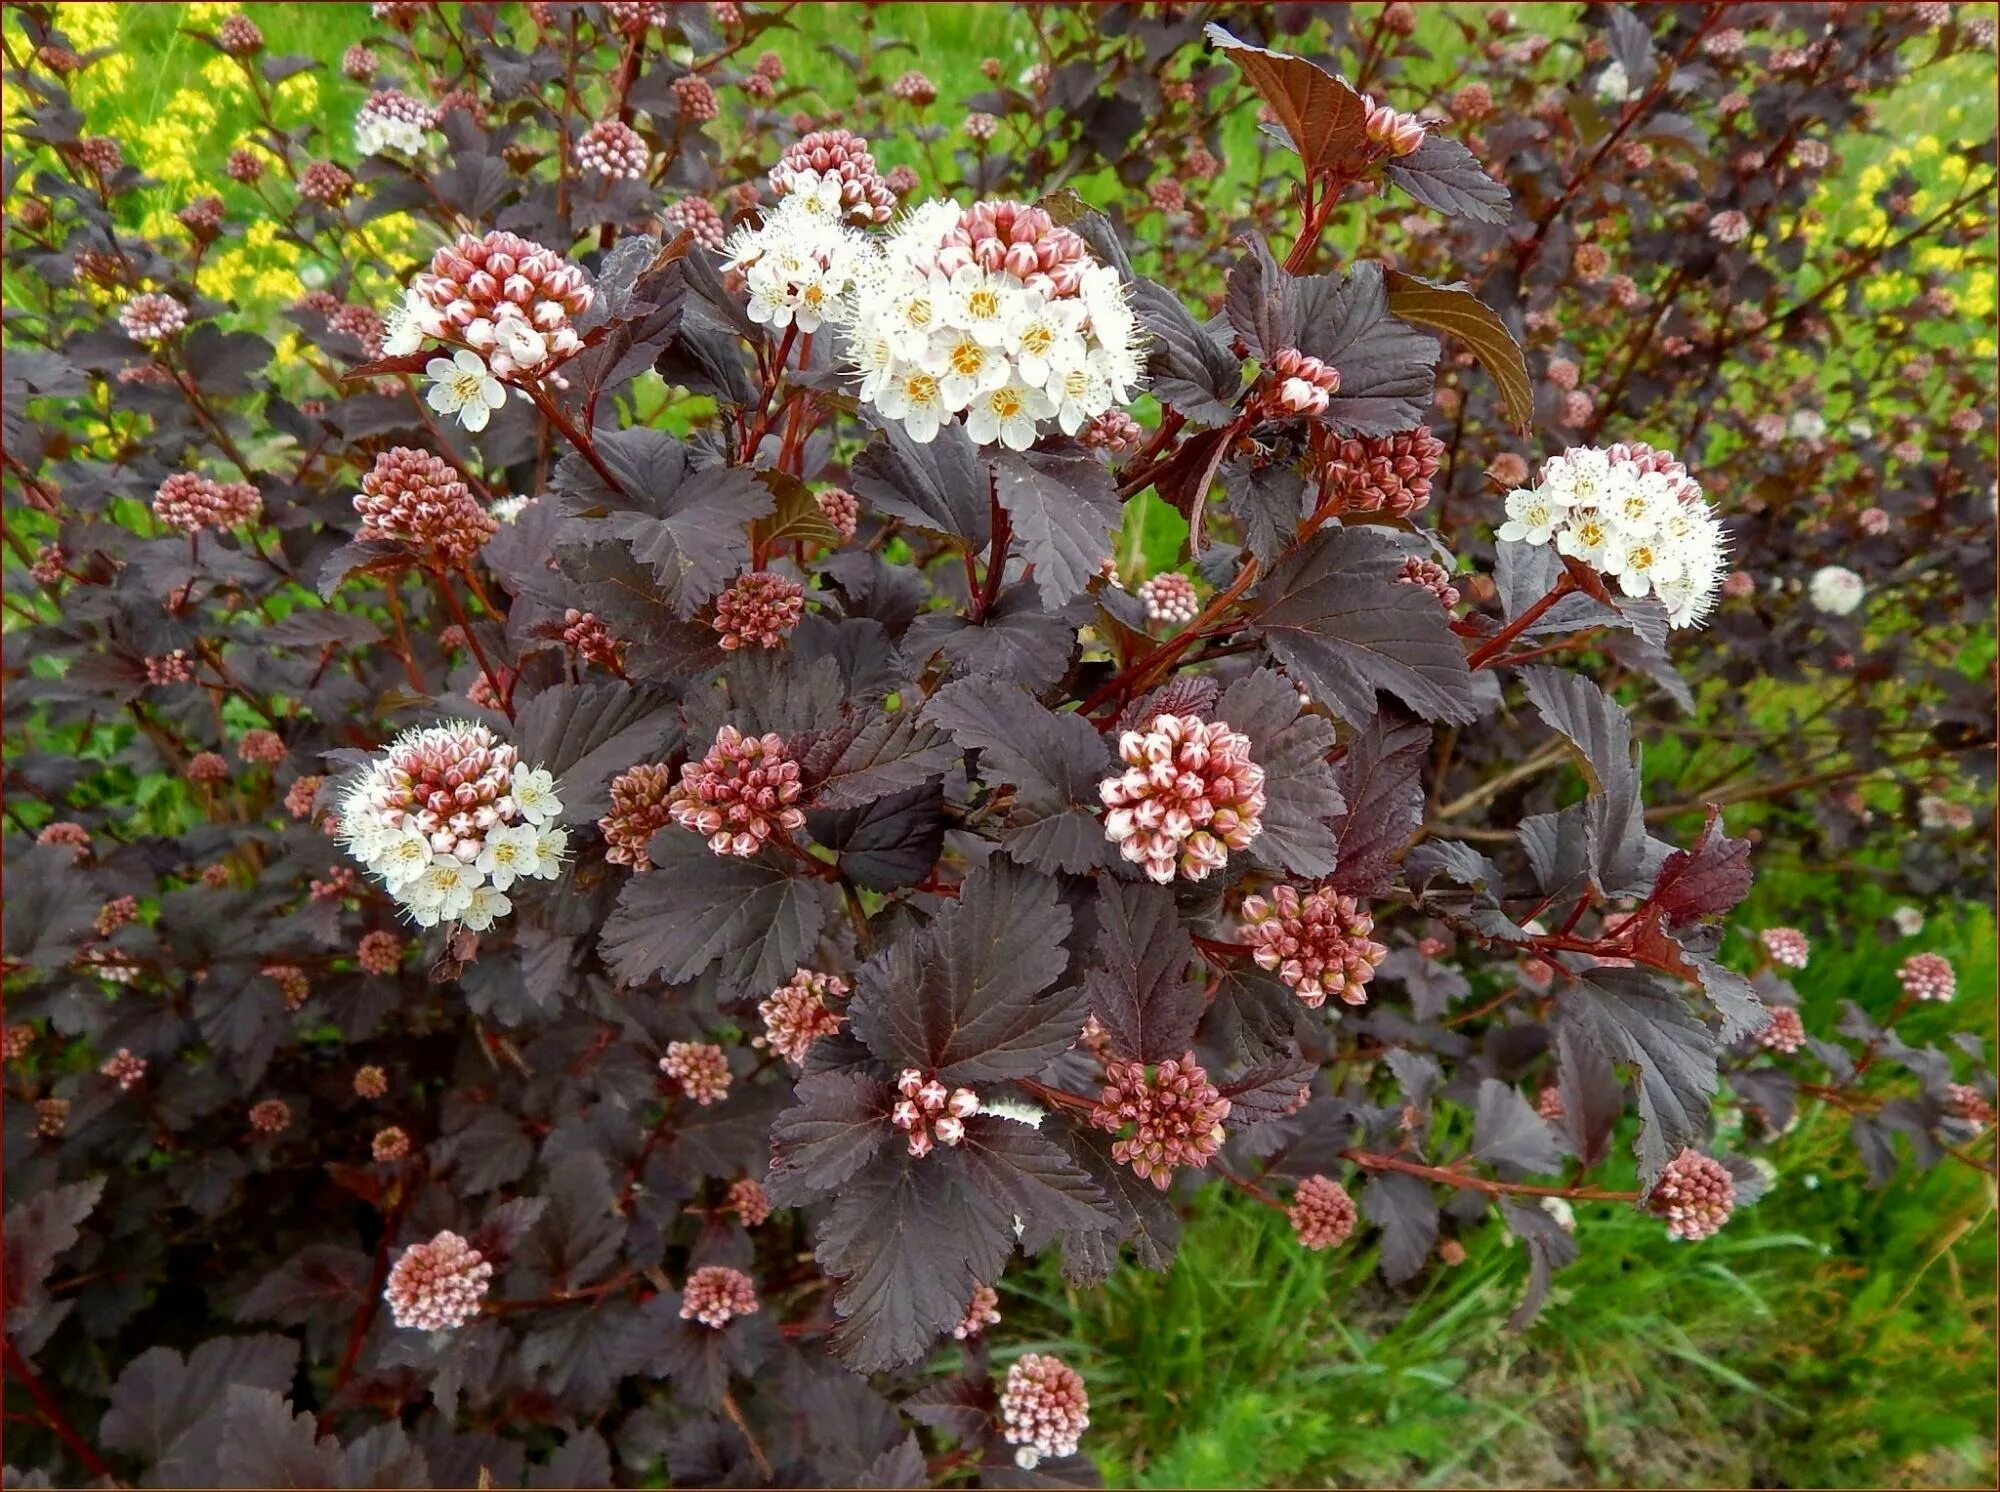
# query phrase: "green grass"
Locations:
[[1828, 1336]]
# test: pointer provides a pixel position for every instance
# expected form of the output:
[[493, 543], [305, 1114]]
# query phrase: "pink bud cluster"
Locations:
[[300, 795], [370, 1082], [1695, 1194], [749, 1201], [914, 87], [1302, 384], [490, 291], [192, 502], [64, 832], [1114, 432], [207, 766], [170, 668], [291, 981], [261, 747], [640, 807], [415, 498], [843, 156], [1398, 134], [1189, 795], [698, 216], [202, 217], [716, 1295], [1431, 576], [270, 1116], [51, 1117], [695, 97], [929, 1113], [1785, 1033], [1322, 1214], [15, 1041], [1391, 473], [700, 1067], [1786, 946], [152, 317], [325, 183], [390, 1144], [114, 914], [1174, 1114], [1967, 1104], [1025, 241], [761, 607], [982, 1312], [124, 1069], [1928, 976], [586, 635], [741, 793], [1170, 598], [1317, 943], [612, 148], [1044, 1409], [797, 1014], [438, 1285], [840, 508], [379, 952]]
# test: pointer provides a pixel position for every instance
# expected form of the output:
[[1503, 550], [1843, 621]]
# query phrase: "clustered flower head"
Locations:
[[1398, 134], [291, 981], [1114, 432], [207, 766], [749, 1201], [413, 497], [1695, 1194], [993, 312], [438, 1285], [448, 819], [984, 1311], [1044, 1409], [640, 808], [114, 914], [270, 1116], [797, 1014], [1787, 946], [929, 1113], [842, 156], [170, 668], [508, 301], [202, 217], [695, 97], [379, 952], [392, 120], [1322, 1213], [1170, 598], [585, 634], [152, 317], [1633, 514], [1317, 943], [840, 508], [1174, 1112], [1302, 384], [1785, 1033], [124, 1069], [612, 148], [1966, 1103], [801, 263], [716, 1295], [1836, 590], [700, 1067], [51, 1117], [300, 795], [370, 1082], [914, 87], [192, 502], [1188, 796], [1928, 976], [261, 746], [698, 216], [744, 790], [15, 1041], [1432, 576], [760, 607], [1391, 473]]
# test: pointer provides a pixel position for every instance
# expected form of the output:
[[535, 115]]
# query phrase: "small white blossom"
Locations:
[[1836, 590], [461, 385]]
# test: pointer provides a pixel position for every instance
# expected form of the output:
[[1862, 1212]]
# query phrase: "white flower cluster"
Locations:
[[994, 313], [392, 120], [1634, 515], [448, 819], [1836, 590], [937, 331], [800, 264]]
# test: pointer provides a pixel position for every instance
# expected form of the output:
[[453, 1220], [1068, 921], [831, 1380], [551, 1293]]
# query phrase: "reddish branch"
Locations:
[[19, 1370]]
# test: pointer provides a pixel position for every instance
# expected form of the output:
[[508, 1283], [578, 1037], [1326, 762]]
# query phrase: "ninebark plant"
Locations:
[[795, 878]]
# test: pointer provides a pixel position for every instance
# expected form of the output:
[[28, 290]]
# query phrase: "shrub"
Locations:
[[831, 874]]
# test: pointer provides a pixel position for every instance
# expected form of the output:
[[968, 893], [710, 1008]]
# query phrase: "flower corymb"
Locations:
[[1188, 796], [448, 819], [1634, 515], [994, 313]]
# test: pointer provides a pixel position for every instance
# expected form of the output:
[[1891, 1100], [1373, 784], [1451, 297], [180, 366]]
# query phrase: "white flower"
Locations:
[[983, 304], [485, 907], [408, 324], [401, 859], [917, 399], [1909, 921], [1635, 516], [443, 891], [1836, 590], [1613, 85], [965, 367], [551, 844], [520, 346], [534, 794], [507, 509], [1008, 414], [1807, 424], [461, 385], [510, 852], [1044, 337]]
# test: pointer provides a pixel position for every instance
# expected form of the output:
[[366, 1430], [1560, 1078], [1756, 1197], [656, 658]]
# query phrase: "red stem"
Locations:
[[18, 1368], [1498, 643]]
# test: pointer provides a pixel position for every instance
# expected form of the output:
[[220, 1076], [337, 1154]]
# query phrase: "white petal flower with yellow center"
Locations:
[[462, 385]]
